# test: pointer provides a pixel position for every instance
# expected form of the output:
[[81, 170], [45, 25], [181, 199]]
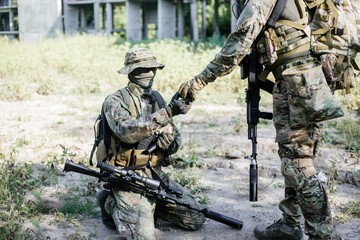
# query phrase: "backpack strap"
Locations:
[[156, 98], [275, 14], [97, 138], [106, 133], [128, 100]]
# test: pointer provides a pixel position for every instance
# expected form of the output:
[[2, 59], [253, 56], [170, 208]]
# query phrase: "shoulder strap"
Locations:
[[157, 98], [97, 137], [128, 100], [275, 14], [106, 132], [125, 94]]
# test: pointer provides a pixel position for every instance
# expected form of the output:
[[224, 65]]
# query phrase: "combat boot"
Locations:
[[278, 230], [105, 217]]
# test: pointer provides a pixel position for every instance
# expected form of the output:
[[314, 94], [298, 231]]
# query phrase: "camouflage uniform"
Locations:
[[132, 121], [297, 107]]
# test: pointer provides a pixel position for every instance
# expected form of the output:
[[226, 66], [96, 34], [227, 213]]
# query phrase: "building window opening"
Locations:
[[86, 18], [151, 31], [4, 22]]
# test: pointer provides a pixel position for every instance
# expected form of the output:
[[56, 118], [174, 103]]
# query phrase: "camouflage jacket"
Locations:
[[132, 127]]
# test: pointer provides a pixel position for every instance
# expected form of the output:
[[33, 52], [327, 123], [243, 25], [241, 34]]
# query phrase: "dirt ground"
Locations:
[[47, 121]]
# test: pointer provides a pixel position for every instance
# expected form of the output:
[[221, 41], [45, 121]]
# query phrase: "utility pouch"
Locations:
[[338, 71], [135, 157], [101, 152], [309, 97]]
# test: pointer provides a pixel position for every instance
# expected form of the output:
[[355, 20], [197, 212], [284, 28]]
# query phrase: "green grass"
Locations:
[[18, 181], [75, 204], [345, 132]]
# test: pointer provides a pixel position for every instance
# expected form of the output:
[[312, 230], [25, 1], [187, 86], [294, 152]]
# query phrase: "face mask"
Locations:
[[143, 77]]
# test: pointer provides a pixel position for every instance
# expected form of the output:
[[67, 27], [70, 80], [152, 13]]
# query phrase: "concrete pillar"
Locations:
[[194, 20], [133, 20], [96, 16], [166, 19], [180, 20], [109, 18], [11, 21], [39, 19], [83, 23], [71, 16], [11, 18]]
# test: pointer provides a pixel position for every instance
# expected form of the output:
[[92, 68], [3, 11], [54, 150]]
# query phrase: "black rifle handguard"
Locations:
[[223, 219]]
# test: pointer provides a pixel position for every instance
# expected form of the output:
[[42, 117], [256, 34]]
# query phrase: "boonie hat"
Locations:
[[139, 58]]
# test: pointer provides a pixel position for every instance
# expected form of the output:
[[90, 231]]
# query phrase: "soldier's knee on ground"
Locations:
[[193, 220]]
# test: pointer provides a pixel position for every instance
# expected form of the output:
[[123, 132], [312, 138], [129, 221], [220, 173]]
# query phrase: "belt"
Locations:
[[294, 62]]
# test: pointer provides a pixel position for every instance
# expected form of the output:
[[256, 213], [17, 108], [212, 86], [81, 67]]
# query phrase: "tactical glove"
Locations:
[[164, 140], [189, 89], [177, 107], [161, 117]]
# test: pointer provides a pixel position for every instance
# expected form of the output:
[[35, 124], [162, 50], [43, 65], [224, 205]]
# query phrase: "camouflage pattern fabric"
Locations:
[[304, 193], [179, 215], [297, 137], [238, 44], [310, 98], [134, 214]]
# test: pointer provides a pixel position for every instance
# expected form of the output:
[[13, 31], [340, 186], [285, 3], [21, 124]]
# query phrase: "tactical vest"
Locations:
[[288, 39], [110, 148], [328, 29]]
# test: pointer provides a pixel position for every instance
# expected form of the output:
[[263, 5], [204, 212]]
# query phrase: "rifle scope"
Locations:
[[149, 182]]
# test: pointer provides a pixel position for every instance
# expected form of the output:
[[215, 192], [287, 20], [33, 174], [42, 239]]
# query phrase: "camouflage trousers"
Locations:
[[305, 193], [134, 213]]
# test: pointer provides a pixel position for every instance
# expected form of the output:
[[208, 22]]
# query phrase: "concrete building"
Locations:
[[32, 20]]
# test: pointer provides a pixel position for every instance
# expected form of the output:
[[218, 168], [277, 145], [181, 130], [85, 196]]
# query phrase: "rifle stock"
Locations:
[[126, 180]]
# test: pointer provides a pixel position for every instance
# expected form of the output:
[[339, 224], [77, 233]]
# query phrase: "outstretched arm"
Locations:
[[237, 45]]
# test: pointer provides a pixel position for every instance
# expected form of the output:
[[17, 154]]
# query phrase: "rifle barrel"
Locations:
[[253, 172], [70, 166], [223, 219]]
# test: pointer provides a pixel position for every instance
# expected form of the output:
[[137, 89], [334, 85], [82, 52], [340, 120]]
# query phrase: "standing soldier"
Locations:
[[285, 51], [138, 119]]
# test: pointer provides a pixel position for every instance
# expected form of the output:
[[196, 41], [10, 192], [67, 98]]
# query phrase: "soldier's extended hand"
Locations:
[[164, 140], [189, 89], [177, 107]]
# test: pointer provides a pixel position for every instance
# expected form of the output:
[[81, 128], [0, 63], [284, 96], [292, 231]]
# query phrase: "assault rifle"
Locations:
[[149, 187], [251, 68]]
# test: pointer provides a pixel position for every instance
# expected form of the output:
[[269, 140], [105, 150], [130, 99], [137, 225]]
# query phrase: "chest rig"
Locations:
[[287, 39]]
